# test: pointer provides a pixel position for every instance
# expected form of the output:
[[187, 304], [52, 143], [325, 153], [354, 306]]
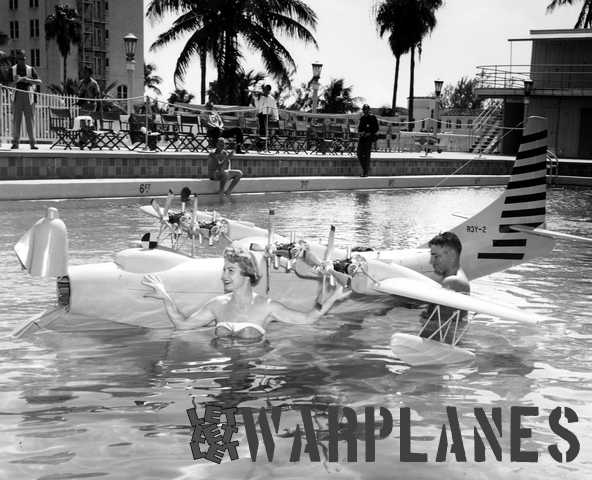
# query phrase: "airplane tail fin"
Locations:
[[490, 243], [43, 249]]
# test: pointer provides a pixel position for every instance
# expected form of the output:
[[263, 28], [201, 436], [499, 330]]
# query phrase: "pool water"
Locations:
[[112, 403]]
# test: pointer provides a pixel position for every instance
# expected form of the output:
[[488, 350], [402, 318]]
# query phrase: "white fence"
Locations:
[[41, 114], [392, 139]]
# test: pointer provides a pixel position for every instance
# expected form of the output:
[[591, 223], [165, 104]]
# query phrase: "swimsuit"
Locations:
[[236, 328]]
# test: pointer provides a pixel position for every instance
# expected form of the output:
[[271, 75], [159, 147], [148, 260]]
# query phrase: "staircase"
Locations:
[[487, 130]]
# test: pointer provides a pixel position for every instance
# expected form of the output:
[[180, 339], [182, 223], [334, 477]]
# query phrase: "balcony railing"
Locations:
[[544, 76]]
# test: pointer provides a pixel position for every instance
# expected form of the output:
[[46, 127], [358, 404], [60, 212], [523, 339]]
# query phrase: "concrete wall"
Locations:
[[564, 122], [26, 165]]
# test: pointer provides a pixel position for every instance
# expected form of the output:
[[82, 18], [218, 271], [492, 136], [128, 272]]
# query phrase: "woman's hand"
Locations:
[[155, 283]]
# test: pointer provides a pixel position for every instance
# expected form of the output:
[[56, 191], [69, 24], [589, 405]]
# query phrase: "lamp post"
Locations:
[[527, 91], [129, 43], [316, 74], [438, 89]]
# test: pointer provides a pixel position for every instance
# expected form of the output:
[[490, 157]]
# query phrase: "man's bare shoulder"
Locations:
[[458, 282]]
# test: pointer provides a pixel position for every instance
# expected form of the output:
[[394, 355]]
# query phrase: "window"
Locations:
[[470, 123], [34, 28], [14, 30], [98, 67], [35, 57], [106, 34], [122, 91], [106, 6], [448, 124], [423, 124], [33, 3], [458, 123], [13, 4], [106, 61]]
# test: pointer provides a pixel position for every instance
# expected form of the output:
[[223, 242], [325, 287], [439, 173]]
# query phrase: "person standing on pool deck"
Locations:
[[266, 109], [219, 168], [23, 77], [239, 312], [367, 129], [445, 249]]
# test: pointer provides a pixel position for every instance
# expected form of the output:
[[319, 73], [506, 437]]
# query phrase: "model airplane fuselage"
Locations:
[[500, 236]]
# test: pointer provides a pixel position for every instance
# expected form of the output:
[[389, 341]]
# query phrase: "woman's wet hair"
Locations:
[[446, 239], [246, 262]]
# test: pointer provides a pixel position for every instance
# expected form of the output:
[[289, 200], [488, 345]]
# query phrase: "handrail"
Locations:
[[552, 166], [545, 75]]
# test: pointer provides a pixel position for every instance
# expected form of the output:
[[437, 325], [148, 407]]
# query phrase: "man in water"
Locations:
[[219, 168], [239, 312], [445, 249]]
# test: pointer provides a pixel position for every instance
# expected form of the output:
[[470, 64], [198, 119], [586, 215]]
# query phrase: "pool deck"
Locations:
[[152, 185]]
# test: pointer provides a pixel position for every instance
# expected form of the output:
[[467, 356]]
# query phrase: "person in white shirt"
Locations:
[[266, 109]]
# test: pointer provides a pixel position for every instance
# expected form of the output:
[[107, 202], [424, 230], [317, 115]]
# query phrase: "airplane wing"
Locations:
[[419, 290], [550, 233]]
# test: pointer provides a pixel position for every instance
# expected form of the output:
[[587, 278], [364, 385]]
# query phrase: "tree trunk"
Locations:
[[64, 80], [396, 86], [411, 81], [202, 66]]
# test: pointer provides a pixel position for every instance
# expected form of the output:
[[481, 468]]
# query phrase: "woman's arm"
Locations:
[[200, 318], [288, 315]]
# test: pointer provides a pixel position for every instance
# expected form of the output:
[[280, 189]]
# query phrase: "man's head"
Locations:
[[20, 57], [445, 249], [220, 144], [366, 109], [239, 267], [266, 90], [209, 106], [86, 72]]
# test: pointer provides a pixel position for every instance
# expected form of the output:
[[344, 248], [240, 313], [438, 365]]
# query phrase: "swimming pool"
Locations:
[[112, 403]]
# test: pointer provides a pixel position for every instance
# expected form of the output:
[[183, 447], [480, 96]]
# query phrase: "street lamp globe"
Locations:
[[129, 43], [528, 87], [316, 70], [438, 87]]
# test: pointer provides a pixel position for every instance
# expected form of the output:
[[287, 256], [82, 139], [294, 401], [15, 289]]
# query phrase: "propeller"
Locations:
[[194, 226], [326, 259], [164, 221], [268, 249], [167, 205]]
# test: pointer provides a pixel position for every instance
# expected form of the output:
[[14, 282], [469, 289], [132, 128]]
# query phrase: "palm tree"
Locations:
[[338, 99], [392, 16], [152, 81], [585, 16], [424, 21], [180, 95], [198, 17], [246, 82], [222, 28], [64, 26], [4, 58], [67, 87]]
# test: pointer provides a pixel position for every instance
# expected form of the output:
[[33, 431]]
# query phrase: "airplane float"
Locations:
[[506, 233]]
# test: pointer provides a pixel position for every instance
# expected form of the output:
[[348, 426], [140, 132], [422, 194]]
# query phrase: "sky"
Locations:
[[468, 33]]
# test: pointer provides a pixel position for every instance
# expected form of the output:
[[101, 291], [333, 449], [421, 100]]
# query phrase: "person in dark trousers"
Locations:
[[367, 128], [23, 77]]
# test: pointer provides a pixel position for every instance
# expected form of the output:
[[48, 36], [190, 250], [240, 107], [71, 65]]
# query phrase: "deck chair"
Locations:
[[60, 123]]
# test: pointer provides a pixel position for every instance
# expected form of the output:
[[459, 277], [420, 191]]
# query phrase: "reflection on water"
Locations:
[[111, 403]]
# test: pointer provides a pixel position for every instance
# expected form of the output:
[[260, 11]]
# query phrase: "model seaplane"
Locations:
[[507, 232]]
